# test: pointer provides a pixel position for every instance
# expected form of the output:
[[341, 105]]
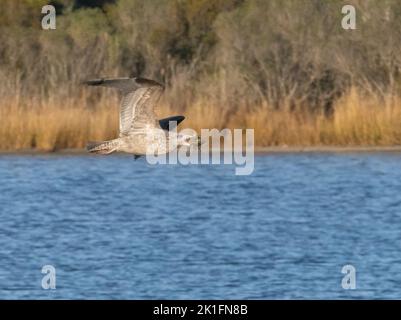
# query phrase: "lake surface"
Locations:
[[122, 229]]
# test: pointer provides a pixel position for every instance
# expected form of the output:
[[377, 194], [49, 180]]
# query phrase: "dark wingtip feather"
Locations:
[[121, 83], [94, 82]]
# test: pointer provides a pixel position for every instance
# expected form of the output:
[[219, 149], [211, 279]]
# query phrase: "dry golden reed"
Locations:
[[66, 123]]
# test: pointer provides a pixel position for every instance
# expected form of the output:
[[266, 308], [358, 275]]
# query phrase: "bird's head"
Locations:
[[188, 140]]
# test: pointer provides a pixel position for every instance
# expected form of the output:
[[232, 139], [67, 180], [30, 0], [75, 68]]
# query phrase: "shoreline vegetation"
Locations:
[[357, 123], [302, 83], [258, 150]]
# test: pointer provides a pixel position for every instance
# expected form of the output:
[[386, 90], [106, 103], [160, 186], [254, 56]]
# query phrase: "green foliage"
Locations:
[[24, 13], [85, 25]]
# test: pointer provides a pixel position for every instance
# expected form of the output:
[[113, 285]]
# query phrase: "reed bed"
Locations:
[[56, 124]]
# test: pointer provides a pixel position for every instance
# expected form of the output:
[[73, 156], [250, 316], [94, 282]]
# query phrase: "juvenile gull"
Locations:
[[140, 131]]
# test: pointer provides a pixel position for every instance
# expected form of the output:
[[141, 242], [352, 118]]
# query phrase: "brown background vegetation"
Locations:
[[285, 68]]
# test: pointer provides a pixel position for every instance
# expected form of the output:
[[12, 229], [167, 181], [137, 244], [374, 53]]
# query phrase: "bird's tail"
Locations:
[[103, 147]]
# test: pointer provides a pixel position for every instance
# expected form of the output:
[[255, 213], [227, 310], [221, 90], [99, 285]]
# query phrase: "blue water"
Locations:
[[122, 229]]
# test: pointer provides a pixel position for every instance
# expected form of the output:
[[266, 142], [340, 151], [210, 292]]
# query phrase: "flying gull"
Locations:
[[140, 131]]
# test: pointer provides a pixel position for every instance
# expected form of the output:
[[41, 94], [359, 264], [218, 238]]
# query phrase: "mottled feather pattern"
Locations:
[[139, 127]]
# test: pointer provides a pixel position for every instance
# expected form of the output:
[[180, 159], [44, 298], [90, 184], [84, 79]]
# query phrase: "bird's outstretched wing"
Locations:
[[138, 103]]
